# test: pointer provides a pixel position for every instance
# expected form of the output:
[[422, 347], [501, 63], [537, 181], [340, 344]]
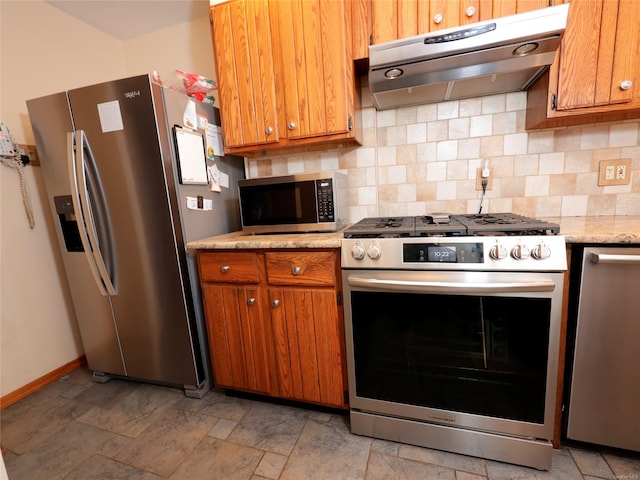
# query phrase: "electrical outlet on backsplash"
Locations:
[[422, 159]]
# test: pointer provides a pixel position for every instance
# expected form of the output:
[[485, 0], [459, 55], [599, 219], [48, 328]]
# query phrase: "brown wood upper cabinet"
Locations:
[[285, 73], [596, 73], [395, 19]]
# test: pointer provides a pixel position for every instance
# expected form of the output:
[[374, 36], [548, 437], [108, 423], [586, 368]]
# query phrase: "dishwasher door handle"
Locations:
[[614, 258]]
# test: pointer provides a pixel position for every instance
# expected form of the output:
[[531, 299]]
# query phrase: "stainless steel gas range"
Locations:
[[452, 331]]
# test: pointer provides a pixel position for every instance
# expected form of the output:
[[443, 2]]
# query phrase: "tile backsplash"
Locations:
[[416, 160]]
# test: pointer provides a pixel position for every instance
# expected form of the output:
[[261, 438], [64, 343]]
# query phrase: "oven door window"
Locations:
[[484, 355]]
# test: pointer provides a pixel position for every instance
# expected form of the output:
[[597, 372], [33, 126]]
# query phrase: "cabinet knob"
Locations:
[[626, 84], [251, 301], [225, 268], [275, 303], [268, 130], [470, 11], [437, 18], [291, 125], [296, 270]]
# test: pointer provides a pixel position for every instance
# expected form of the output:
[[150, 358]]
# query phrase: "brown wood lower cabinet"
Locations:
[[275, 323], [237, 327], [307, 345]]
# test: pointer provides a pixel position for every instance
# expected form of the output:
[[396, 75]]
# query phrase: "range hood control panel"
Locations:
[[460, 34]]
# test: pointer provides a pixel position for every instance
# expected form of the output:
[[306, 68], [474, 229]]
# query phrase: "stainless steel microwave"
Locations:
[[312, 202]]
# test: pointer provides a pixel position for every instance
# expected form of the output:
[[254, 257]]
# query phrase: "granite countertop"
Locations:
[[605, 229], [242, 240]]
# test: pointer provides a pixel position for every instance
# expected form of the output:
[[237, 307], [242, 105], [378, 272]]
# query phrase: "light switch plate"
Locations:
[[615, 172]]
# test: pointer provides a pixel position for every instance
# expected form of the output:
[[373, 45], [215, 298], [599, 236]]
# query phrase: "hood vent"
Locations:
[[506, 54]]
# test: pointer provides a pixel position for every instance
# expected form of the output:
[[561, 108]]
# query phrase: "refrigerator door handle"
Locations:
[[76, 144]]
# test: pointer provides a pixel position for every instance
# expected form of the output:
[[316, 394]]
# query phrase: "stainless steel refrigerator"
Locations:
[[126, 195]]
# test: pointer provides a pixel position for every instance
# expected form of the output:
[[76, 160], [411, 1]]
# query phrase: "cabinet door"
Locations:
[[238, 336], [596, 67], [361, 28], [395, 19], [244, 67], [302, 268], [444, 14], [384, 20], [503, 8], [307, 341], [312, 41], [472, 11]]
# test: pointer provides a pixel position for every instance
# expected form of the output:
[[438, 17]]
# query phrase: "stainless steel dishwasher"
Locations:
[[604, 405]]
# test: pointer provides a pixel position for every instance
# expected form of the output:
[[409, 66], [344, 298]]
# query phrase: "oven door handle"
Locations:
[[453, 287]]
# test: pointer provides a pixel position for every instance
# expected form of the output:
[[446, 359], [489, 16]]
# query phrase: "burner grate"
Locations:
[[450, 225], [507, 224]]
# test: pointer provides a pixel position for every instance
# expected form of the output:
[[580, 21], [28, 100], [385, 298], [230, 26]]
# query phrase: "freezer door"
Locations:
[[150, 306], [52, 125]]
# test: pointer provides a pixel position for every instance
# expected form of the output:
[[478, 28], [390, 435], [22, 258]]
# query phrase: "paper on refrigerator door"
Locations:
[[199, 203], [214, 178], [214, 141], [110, 116]]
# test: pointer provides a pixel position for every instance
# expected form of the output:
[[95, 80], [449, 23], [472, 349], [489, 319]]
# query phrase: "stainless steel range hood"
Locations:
[[506, 54]]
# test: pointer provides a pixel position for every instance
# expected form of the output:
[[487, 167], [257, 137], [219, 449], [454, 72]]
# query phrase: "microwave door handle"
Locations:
[[88, 237], [453, 287]]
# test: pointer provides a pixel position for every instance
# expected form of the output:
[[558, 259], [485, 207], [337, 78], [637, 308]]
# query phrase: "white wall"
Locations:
[[43, 51], [185, 47]]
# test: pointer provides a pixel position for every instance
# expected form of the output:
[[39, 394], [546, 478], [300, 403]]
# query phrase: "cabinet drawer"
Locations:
[[228, 267], [301, 268]]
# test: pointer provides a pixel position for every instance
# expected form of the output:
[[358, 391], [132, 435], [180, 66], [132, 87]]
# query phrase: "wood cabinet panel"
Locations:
[[384, 14], [503, 8], [407, 18], [444, 14], [312, 41], [301, 268], [361, 27], [396, 19], [285, 74], [308, 352], [244, 65], [282, 335], [626, 59], [229, 267], [596, 73], [584, 26], [238, 335]]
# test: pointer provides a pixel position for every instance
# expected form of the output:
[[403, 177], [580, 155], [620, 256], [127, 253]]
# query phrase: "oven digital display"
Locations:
[[443, 252]]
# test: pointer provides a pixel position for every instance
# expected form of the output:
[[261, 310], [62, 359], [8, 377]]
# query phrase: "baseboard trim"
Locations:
[[37, 384]]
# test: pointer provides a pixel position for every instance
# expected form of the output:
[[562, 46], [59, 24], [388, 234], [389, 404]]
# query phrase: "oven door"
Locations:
[[476, 350]]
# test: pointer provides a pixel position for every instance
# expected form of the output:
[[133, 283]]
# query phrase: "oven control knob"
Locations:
[[357, 251], [541, 252], [374, 252], [520, 252], [498, 252]]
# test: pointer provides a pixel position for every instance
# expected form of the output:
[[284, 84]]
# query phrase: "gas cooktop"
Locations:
[[444, 225]]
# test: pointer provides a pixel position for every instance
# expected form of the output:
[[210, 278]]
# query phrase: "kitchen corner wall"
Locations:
[[423, 159]]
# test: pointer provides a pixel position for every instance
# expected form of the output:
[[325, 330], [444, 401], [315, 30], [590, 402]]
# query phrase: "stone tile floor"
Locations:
[[74, 429]]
